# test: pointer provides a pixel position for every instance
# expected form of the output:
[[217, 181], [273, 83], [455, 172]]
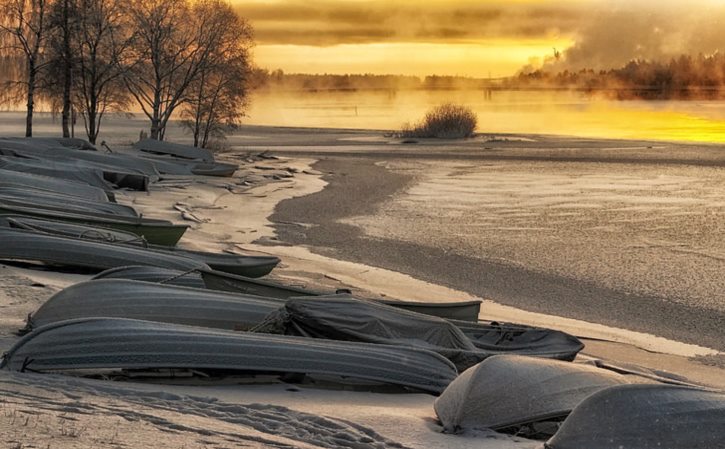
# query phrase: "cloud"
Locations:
[[619, 32]]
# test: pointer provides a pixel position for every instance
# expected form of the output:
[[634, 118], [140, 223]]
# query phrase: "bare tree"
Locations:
[[171, 45], [23, 30], [217, 97], [101, 39]]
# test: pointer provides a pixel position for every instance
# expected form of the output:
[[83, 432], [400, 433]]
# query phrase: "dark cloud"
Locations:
[[329, 23]]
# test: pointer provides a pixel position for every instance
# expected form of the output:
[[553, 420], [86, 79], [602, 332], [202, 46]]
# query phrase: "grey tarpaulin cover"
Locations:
[[60, 202], [61, 170], [512, 390], [25, 245], [47, 183], [342, 317], [645, 417], [122, 298], [154, 274], [101, 344]]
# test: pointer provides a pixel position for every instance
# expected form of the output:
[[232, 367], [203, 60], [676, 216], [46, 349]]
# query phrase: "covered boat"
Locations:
[[494, 337], [511, 391], [102, 344], [154, 274], [46, 183], [120, 298], [645, 417], [342, 317], [59, 202], [29, 246], [59, 170]]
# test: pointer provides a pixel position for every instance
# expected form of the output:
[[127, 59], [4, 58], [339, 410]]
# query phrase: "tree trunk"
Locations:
[[31, 102], [67, 66]]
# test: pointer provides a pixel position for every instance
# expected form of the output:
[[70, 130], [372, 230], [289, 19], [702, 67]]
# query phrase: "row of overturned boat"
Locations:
[[154, 309]]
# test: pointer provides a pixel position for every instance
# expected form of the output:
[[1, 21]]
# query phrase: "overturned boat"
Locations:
[[645, 417], [21, 245], [511, 391], [101, 344], [120, 298], [154, 274]]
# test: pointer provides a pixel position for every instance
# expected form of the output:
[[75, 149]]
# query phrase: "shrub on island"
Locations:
[[447, 121]]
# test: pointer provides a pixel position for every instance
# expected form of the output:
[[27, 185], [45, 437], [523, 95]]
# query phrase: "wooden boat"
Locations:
[[159, 232], [94, 345]]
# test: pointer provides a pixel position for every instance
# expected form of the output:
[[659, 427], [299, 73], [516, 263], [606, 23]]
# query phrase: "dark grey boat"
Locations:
[[174, 149], [66, 229], [30, 246], [120, 298], [102, 344], [645, 417], [154, 274], [46, 183], [252, 266], [159, 232], [507, 391]]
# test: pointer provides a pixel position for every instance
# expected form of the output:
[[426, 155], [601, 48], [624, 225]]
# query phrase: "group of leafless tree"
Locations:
[[182, 58]]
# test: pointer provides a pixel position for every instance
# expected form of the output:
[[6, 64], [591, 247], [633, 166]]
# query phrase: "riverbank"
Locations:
[[227, 215]]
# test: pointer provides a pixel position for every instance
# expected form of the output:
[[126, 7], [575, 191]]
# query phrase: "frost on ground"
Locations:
[[54, 411]]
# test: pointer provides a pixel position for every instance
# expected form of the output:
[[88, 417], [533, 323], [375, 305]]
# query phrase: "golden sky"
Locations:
[[474, 37]]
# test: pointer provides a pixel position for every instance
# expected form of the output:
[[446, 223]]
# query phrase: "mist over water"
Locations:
[[539, 112]]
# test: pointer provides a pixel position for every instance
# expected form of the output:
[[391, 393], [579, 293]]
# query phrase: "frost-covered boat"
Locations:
[[120, 298], [93, 345], [511, 391], [645, 417], [174, 149], [30, 246]]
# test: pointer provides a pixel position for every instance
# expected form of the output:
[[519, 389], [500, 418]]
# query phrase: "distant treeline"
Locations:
[[278, 80], [685, 77]]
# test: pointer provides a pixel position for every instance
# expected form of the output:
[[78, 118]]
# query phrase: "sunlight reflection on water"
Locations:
[[567, 113]]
